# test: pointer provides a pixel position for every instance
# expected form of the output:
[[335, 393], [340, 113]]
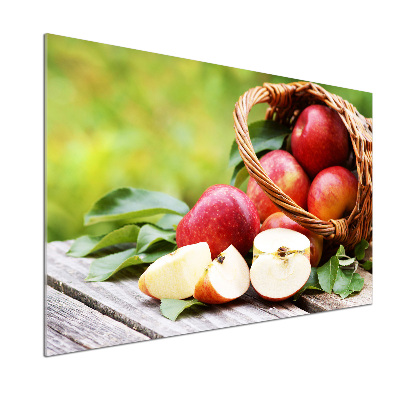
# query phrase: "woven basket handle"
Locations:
[[283, 109]]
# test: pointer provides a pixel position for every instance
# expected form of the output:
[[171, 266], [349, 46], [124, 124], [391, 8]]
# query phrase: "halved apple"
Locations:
[[225, 279], [174, 276], [269, 241], [281, 263]]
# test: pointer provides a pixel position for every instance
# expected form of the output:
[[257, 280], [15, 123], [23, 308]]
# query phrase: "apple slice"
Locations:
[[174, 276], [281, 263], [225, 279]]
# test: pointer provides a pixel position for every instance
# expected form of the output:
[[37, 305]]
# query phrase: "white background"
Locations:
[[340, 354]]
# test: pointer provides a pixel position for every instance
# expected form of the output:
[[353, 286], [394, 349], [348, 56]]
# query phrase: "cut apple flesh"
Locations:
[[225, 279], [174, 276], [278, 278], [269, 241], [281, 263]]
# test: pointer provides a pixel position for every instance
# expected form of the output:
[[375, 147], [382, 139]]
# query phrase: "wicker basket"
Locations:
[[286, 102]]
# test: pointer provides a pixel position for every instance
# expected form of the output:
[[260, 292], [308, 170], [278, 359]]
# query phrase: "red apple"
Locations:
[[333, 193], [223, 215], [280, 220], [319, 139], [283, 169]]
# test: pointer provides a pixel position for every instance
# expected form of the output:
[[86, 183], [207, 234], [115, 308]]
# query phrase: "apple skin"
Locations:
[[206, 293], [333, 193], [319, 139], [143, 287], [283, 169], [280, 220], [222, 216], [274, 299], [280, 299]]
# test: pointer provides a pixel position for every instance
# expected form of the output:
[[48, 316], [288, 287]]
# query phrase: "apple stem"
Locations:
[[356, 264]]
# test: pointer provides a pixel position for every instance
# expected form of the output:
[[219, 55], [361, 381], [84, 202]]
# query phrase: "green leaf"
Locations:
[[346, 261], [342, 283], [341, 251], [150, 234], [156, 251], [347, 282], [132, 203], [239, 175], [327, 274], [312, 283], [169, 221], [104, 267], [171, 308], [357, 282], [89, 244], [367, 265], [360, 248], [264, 135]]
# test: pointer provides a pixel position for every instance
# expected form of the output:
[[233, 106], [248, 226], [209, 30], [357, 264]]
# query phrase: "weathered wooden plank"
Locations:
[[120, 298], [314, 301], [57, 344], [86, 328]]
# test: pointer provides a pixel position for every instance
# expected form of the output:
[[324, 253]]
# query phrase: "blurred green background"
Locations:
[[121, 117]]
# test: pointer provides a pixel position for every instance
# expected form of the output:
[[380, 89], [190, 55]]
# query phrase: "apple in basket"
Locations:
[[319, 139], [283, 169], [333, 193]]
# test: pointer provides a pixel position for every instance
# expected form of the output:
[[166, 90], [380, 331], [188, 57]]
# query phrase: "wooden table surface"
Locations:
[[84, 315]]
